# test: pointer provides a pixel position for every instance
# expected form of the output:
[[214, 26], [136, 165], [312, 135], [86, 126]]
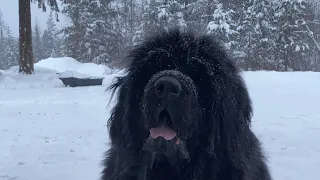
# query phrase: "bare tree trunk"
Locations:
[[25, 38]]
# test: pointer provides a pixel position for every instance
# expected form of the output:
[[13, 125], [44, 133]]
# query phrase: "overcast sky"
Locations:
[[10, 11]]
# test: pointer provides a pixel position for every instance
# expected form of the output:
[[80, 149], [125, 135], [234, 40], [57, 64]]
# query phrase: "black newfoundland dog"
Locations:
[[183, 113]]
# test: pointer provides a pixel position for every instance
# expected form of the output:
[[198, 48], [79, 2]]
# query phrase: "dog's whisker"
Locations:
[[153, 156], [145, 172], [124, 169]]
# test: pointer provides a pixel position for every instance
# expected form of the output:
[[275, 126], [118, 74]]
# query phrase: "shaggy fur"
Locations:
[[211, 115]]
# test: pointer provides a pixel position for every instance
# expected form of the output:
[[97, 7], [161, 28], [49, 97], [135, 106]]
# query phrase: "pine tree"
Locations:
[[58, 45], [37, 43], [2, 41], [222, 25], [291, 44], [49, 39], [8, 46], [95, 34], [127, 20], [263, 34], [257, 36], [312, 27], [103, 40], [11, 51], [171, 16], [73, 34], [25, 33], [25, 37], [159, 16], [150, 22]]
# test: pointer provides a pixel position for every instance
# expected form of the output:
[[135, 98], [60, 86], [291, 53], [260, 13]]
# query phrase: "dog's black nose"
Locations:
[[167, 86]]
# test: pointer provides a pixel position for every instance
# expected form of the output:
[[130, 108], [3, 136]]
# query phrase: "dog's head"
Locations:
[[180, 93], [171, 112]]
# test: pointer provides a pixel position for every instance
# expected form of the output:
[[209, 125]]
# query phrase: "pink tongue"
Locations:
[[164, 132]]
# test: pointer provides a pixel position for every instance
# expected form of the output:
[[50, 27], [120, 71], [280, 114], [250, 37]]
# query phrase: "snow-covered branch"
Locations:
[[310, 34]]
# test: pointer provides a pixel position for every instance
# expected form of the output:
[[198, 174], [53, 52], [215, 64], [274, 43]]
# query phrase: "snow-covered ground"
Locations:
[[51, 132]]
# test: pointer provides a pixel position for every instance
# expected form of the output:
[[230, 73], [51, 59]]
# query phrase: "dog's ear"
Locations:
[[117, 123], [231, 109], [231, 112]]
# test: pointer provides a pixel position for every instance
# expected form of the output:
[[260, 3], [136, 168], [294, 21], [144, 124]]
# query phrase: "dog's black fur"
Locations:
[[212, 118]]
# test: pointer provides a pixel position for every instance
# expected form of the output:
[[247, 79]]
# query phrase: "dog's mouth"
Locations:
[[164, 140], [164, 129]]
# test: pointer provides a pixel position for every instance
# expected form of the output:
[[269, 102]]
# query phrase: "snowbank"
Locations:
[[48, 71], [70, 64]]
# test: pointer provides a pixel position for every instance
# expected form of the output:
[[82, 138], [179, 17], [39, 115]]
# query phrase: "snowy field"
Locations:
[[52, 132]]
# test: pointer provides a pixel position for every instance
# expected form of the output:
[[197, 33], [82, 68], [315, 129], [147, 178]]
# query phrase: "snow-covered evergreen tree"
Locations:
[[102, 40], [150, 22], [11, 50], [93, 35], [8, 46], [223, 26], [49, 39], [257, 35], [73, 34], [160, 15], [2, 40], [170, 15], [263, 34], [312, 27], [292, 45], [37, 43], [198, 14]]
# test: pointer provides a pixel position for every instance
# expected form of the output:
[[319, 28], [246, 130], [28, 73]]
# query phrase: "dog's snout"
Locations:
[[167, 86]]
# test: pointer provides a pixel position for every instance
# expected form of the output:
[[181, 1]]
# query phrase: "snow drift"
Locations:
[[70, 64], [47, 72]]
